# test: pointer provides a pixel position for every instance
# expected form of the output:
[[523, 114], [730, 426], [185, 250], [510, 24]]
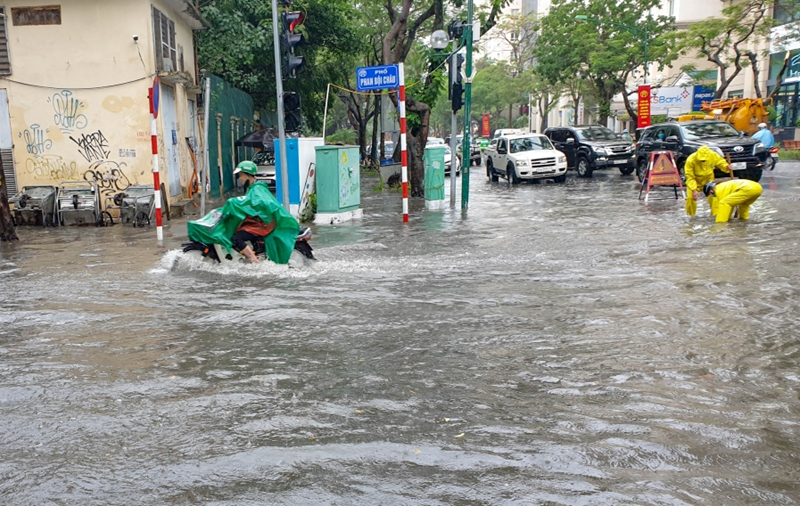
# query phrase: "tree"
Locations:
[[727, 41], [604, 50]]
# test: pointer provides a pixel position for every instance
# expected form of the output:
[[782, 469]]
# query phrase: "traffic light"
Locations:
[[456, 86], [290, 20], [291, 111]]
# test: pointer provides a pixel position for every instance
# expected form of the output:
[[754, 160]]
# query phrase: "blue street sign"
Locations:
[[377, 78]]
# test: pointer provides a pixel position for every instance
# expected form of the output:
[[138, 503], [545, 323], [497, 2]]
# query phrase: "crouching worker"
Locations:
[[729, 194], [699, 170]]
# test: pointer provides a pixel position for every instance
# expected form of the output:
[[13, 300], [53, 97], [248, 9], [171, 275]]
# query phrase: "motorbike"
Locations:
[[772, 159], [203, 231]]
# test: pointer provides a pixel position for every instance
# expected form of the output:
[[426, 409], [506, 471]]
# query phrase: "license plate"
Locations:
[[739, 166], [620, 162]]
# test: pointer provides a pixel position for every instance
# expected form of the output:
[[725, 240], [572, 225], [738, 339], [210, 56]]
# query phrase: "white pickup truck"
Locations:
[[524, 157]]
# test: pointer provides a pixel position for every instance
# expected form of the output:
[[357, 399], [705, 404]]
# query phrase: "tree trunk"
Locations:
[[373, 147], [510, 114], [754, 66], [7, 231], [779, 79], [419, 138], [543, 105]]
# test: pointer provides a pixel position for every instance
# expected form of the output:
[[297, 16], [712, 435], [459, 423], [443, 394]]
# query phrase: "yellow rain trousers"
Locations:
[[739, 192], [699, 170]]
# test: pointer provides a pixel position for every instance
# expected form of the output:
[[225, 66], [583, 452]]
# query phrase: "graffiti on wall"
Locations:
[[92, 146], [68, 116], [51, 167], [109, 176], [35, 142]]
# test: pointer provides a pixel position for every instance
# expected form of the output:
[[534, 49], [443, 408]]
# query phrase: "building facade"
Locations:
[[74, 81]]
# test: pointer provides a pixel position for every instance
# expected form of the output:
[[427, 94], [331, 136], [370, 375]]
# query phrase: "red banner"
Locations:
[[485, 130], [643, 111]]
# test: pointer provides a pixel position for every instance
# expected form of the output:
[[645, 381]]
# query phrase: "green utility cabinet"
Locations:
[[338, 182], [433, 160]]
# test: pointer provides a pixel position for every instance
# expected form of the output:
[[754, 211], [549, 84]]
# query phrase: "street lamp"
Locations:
[[630, 29], [439, 40]]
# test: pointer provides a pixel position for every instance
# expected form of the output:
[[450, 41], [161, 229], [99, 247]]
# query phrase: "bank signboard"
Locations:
[[679, 99]]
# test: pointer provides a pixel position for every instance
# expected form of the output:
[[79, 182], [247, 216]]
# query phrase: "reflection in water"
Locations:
[[563, 344]]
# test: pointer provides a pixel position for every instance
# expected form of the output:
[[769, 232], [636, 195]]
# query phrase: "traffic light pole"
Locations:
[[468, 28], [279, 93]]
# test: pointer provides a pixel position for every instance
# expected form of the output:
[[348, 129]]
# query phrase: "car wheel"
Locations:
[[769, 164], [584, 169], [627, 170], [511, 174], [490, 173], [754, 174], [560, 179], [641, 169]]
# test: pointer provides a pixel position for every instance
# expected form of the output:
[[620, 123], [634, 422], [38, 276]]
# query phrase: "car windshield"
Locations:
[[264, 158], [597, 134], [530, 144], [704, 130]]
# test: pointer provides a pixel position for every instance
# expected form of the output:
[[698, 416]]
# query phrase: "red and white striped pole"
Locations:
[[403, 147], [154, 142]]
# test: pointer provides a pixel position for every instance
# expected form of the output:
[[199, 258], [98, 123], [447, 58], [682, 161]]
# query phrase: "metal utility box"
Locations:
[[34, 205], [433, 161], [300, 164], [338, 184], [78, 203]]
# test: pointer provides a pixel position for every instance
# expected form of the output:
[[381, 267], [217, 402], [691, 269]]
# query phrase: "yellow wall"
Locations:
[[78, 95]]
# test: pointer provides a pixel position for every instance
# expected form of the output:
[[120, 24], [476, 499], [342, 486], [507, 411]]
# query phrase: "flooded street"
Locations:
[[562, 344]]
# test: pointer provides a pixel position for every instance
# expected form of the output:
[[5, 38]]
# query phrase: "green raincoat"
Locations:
[[218, 226]]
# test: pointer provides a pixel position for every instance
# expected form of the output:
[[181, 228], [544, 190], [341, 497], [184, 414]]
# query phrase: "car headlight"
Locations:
[[600, 151], [521, 163], [759, 147], [562, 159]]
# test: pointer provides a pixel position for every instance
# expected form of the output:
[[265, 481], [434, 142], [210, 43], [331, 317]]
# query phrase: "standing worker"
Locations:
[[699, 170], [764, 135], [728, 194]]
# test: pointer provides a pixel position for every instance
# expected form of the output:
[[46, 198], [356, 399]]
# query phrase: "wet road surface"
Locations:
[[560, 345]]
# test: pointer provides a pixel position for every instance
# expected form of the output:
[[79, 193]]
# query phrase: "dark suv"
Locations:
[[747, 156], [592, 147]]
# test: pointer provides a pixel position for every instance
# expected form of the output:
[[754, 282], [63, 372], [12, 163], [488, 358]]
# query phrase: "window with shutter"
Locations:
[[5, 62], [166, 53]]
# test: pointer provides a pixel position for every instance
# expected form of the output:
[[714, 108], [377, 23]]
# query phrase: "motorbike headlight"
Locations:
[[600, 151], [759, 147], [562, 159]]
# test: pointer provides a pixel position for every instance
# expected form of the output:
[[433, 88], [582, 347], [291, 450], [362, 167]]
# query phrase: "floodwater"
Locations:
[[559, 345]]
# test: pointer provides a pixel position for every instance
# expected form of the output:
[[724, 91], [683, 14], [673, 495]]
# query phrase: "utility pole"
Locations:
[[468, 30], [279, 93]]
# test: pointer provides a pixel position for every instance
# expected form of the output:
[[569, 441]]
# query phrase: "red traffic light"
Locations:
[[291, 20]]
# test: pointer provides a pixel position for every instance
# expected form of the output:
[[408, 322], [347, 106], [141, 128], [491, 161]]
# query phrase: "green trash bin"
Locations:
[[338, 182], [433, 161]]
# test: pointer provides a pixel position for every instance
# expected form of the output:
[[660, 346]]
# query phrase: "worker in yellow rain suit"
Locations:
[[729, 194], [699, 170]]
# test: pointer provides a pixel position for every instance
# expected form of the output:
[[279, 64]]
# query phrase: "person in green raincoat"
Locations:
[[253, 217], [699, 170]]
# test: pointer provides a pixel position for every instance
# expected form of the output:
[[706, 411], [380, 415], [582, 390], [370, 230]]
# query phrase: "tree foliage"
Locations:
[[606, 49]]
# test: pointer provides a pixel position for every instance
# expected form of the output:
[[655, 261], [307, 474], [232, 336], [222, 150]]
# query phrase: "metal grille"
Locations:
[[543, 162], [742, 156], [619, 149], [9, 177]]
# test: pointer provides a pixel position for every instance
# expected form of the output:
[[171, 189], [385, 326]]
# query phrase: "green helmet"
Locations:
[[247, 167]]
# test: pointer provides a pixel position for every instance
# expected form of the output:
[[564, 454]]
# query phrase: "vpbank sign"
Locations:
[[679, 99]]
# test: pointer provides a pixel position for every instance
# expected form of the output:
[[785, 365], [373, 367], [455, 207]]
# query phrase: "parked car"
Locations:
[[593, 147], [525, 157], [265, 163], [747, 156], [474, 152]]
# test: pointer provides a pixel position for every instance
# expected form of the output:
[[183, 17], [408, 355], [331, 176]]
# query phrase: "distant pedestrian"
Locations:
[[764, 135], [699, 170], [729, 194]]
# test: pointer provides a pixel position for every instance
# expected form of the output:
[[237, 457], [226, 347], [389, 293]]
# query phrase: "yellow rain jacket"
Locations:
[[699, 170], [729, 194]]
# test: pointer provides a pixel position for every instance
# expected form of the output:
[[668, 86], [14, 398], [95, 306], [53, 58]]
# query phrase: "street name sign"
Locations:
[[375, 78]]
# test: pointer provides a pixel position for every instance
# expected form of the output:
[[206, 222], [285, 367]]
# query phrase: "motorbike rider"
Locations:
[[764, 135], [252, 227], [729, 194], [699, 170]]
